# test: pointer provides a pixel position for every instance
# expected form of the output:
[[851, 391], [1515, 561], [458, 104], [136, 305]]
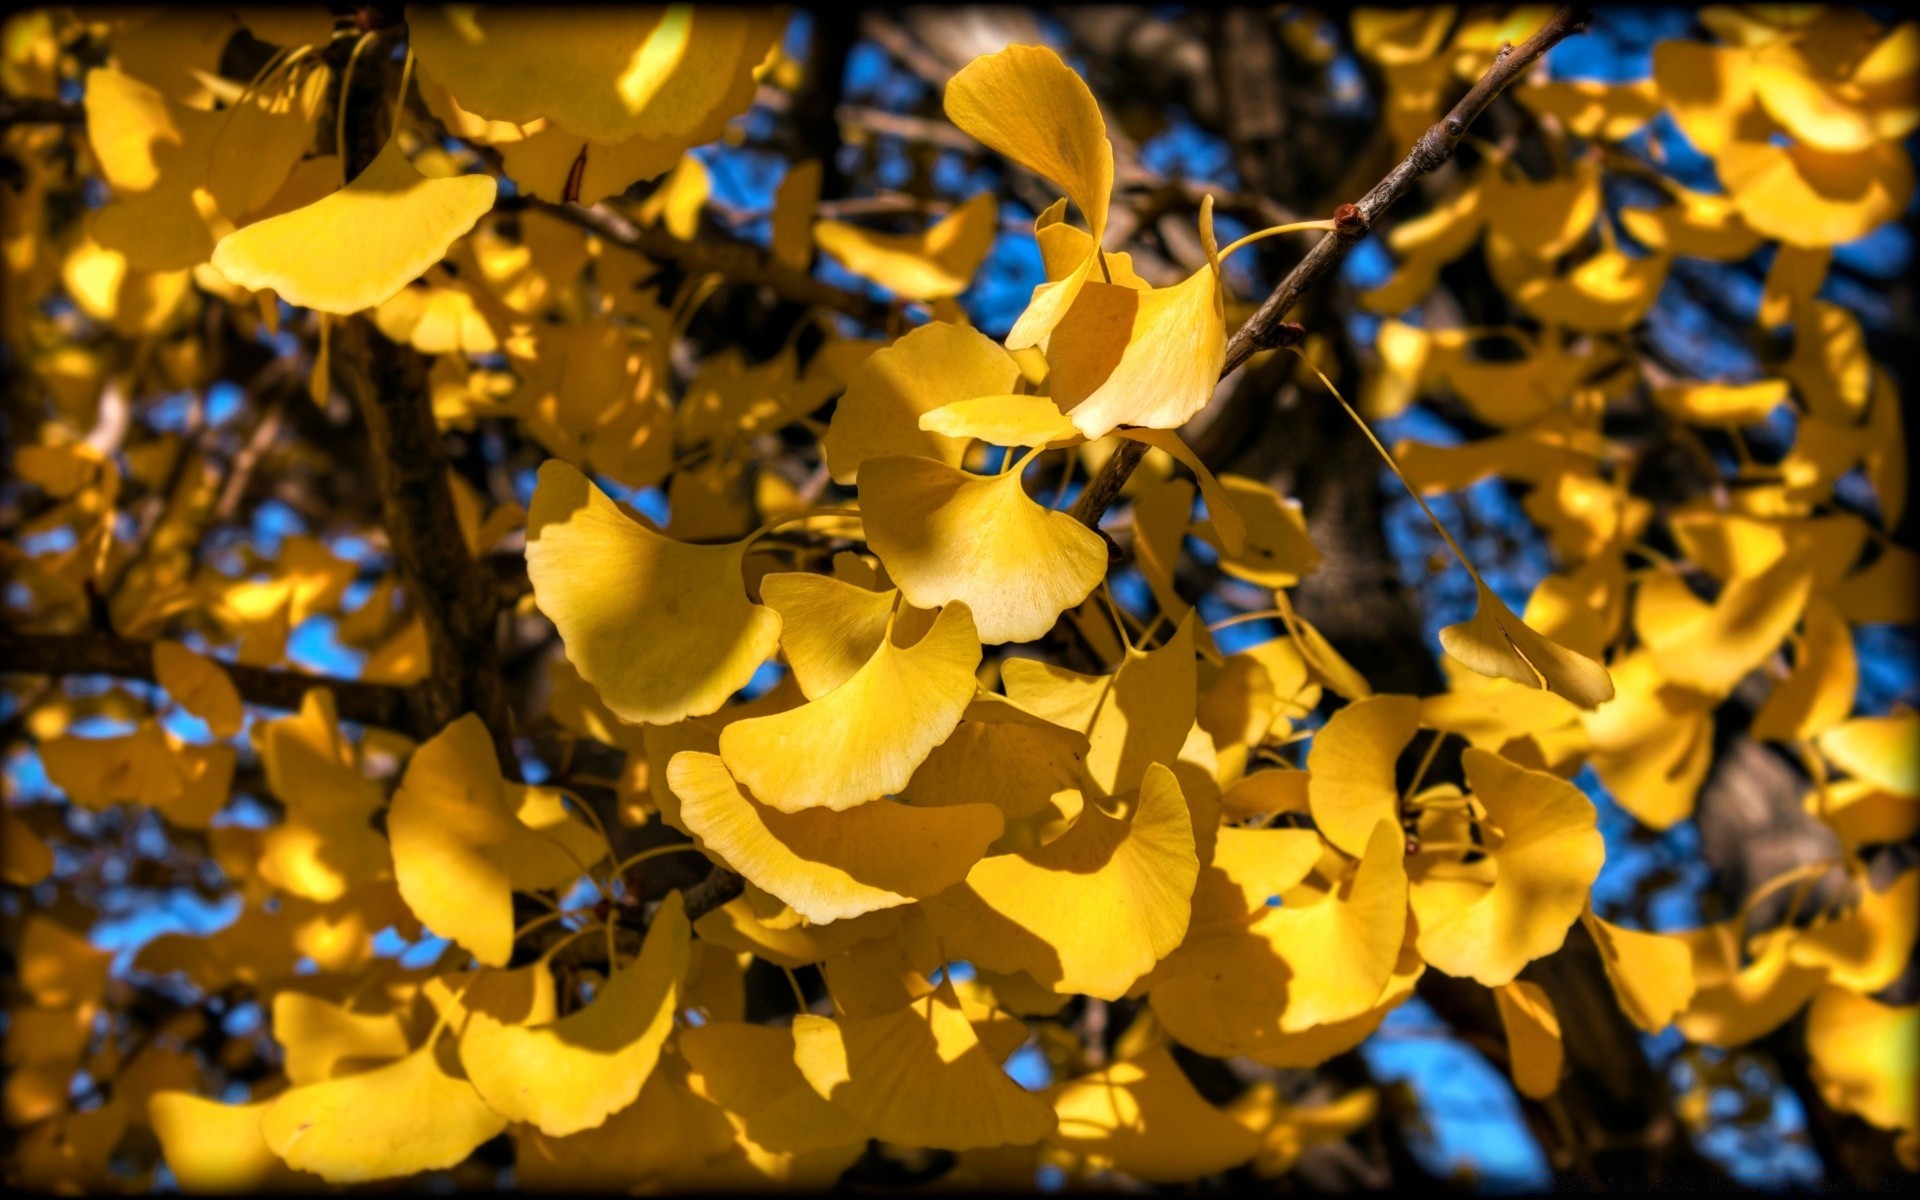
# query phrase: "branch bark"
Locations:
[[740, 262], [1266, 328], [453, 595], [126, 658]]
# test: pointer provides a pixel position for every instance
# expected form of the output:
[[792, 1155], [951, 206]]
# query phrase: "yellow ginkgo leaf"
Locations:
[[1710, 648], [1162, 514], [217, 1148], [1495, 642], [200, 685], [1276, 551], [1140, 1116], [1024, 103], [865, 738], [1544, 218], [1610, 112], [918, 1076], [1024, 769], [1145, 358], [1863, 815], [137, 133], [1494, 714], [545, 160], [1729, 404], [750, 1071], [1805, 196], [1700, 225], [1028, 105], [678, 199], [937, 262], [1867, 948], [1818, 695], [179, 55], [326, 844], [521, 996], [436, 320], [1263, 793], [1863, 1053], [1137, 716], [1250, 1009], [25, 859], [1254, 982], [1223, 512], [1709, 91], [1340, 951], [357, 247], [652, 1142], [794, 203], [1608, 293], [1815, 111], [140, 768], [1002, 421], [603, 75], [1400, 36], [1651, 973], [464, 839], [572, 1074], [1652, 743], [1263, 863], [1880, 750], [1089, 912], [829, 628], [1742, 996], [262, 138], [947, 535], [831, 865], [1535, 1055], [663, 630], [735, 926], [1352, 784], [888, 394], [1545, 855], [400, 1119], [318, 1037]]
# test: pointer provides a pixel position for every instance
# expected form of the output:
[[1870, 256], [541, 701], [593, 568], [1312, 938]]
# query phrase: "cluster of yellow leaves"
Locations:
[[1802, 113], [911, 794]]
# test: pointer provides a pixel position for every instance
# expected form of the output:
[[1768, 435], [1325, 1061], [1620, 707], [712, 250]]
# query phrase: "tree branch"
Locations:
[[454, 595], [125, 658], [34, 110], [1264, 330], [740, 262]]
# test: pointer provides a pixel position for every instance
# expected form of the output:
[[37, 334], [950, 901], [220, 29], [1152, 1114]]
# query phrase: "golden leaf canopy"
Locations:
[[714, 599]]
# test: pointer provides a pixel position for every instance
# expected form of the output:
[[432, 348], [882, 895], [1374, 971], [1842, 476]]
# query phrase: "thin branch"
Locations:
[[34, 110], [739, 262], [1267, 328], [126, 658]]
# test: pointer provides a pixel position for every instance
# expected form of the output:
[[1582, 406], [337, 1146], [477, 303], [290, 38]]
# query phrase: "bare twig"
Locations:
[[1436, 146]]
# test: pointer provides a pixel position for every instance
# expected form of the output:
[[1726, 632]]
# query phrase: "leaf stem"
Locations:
[[1326, 226]]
